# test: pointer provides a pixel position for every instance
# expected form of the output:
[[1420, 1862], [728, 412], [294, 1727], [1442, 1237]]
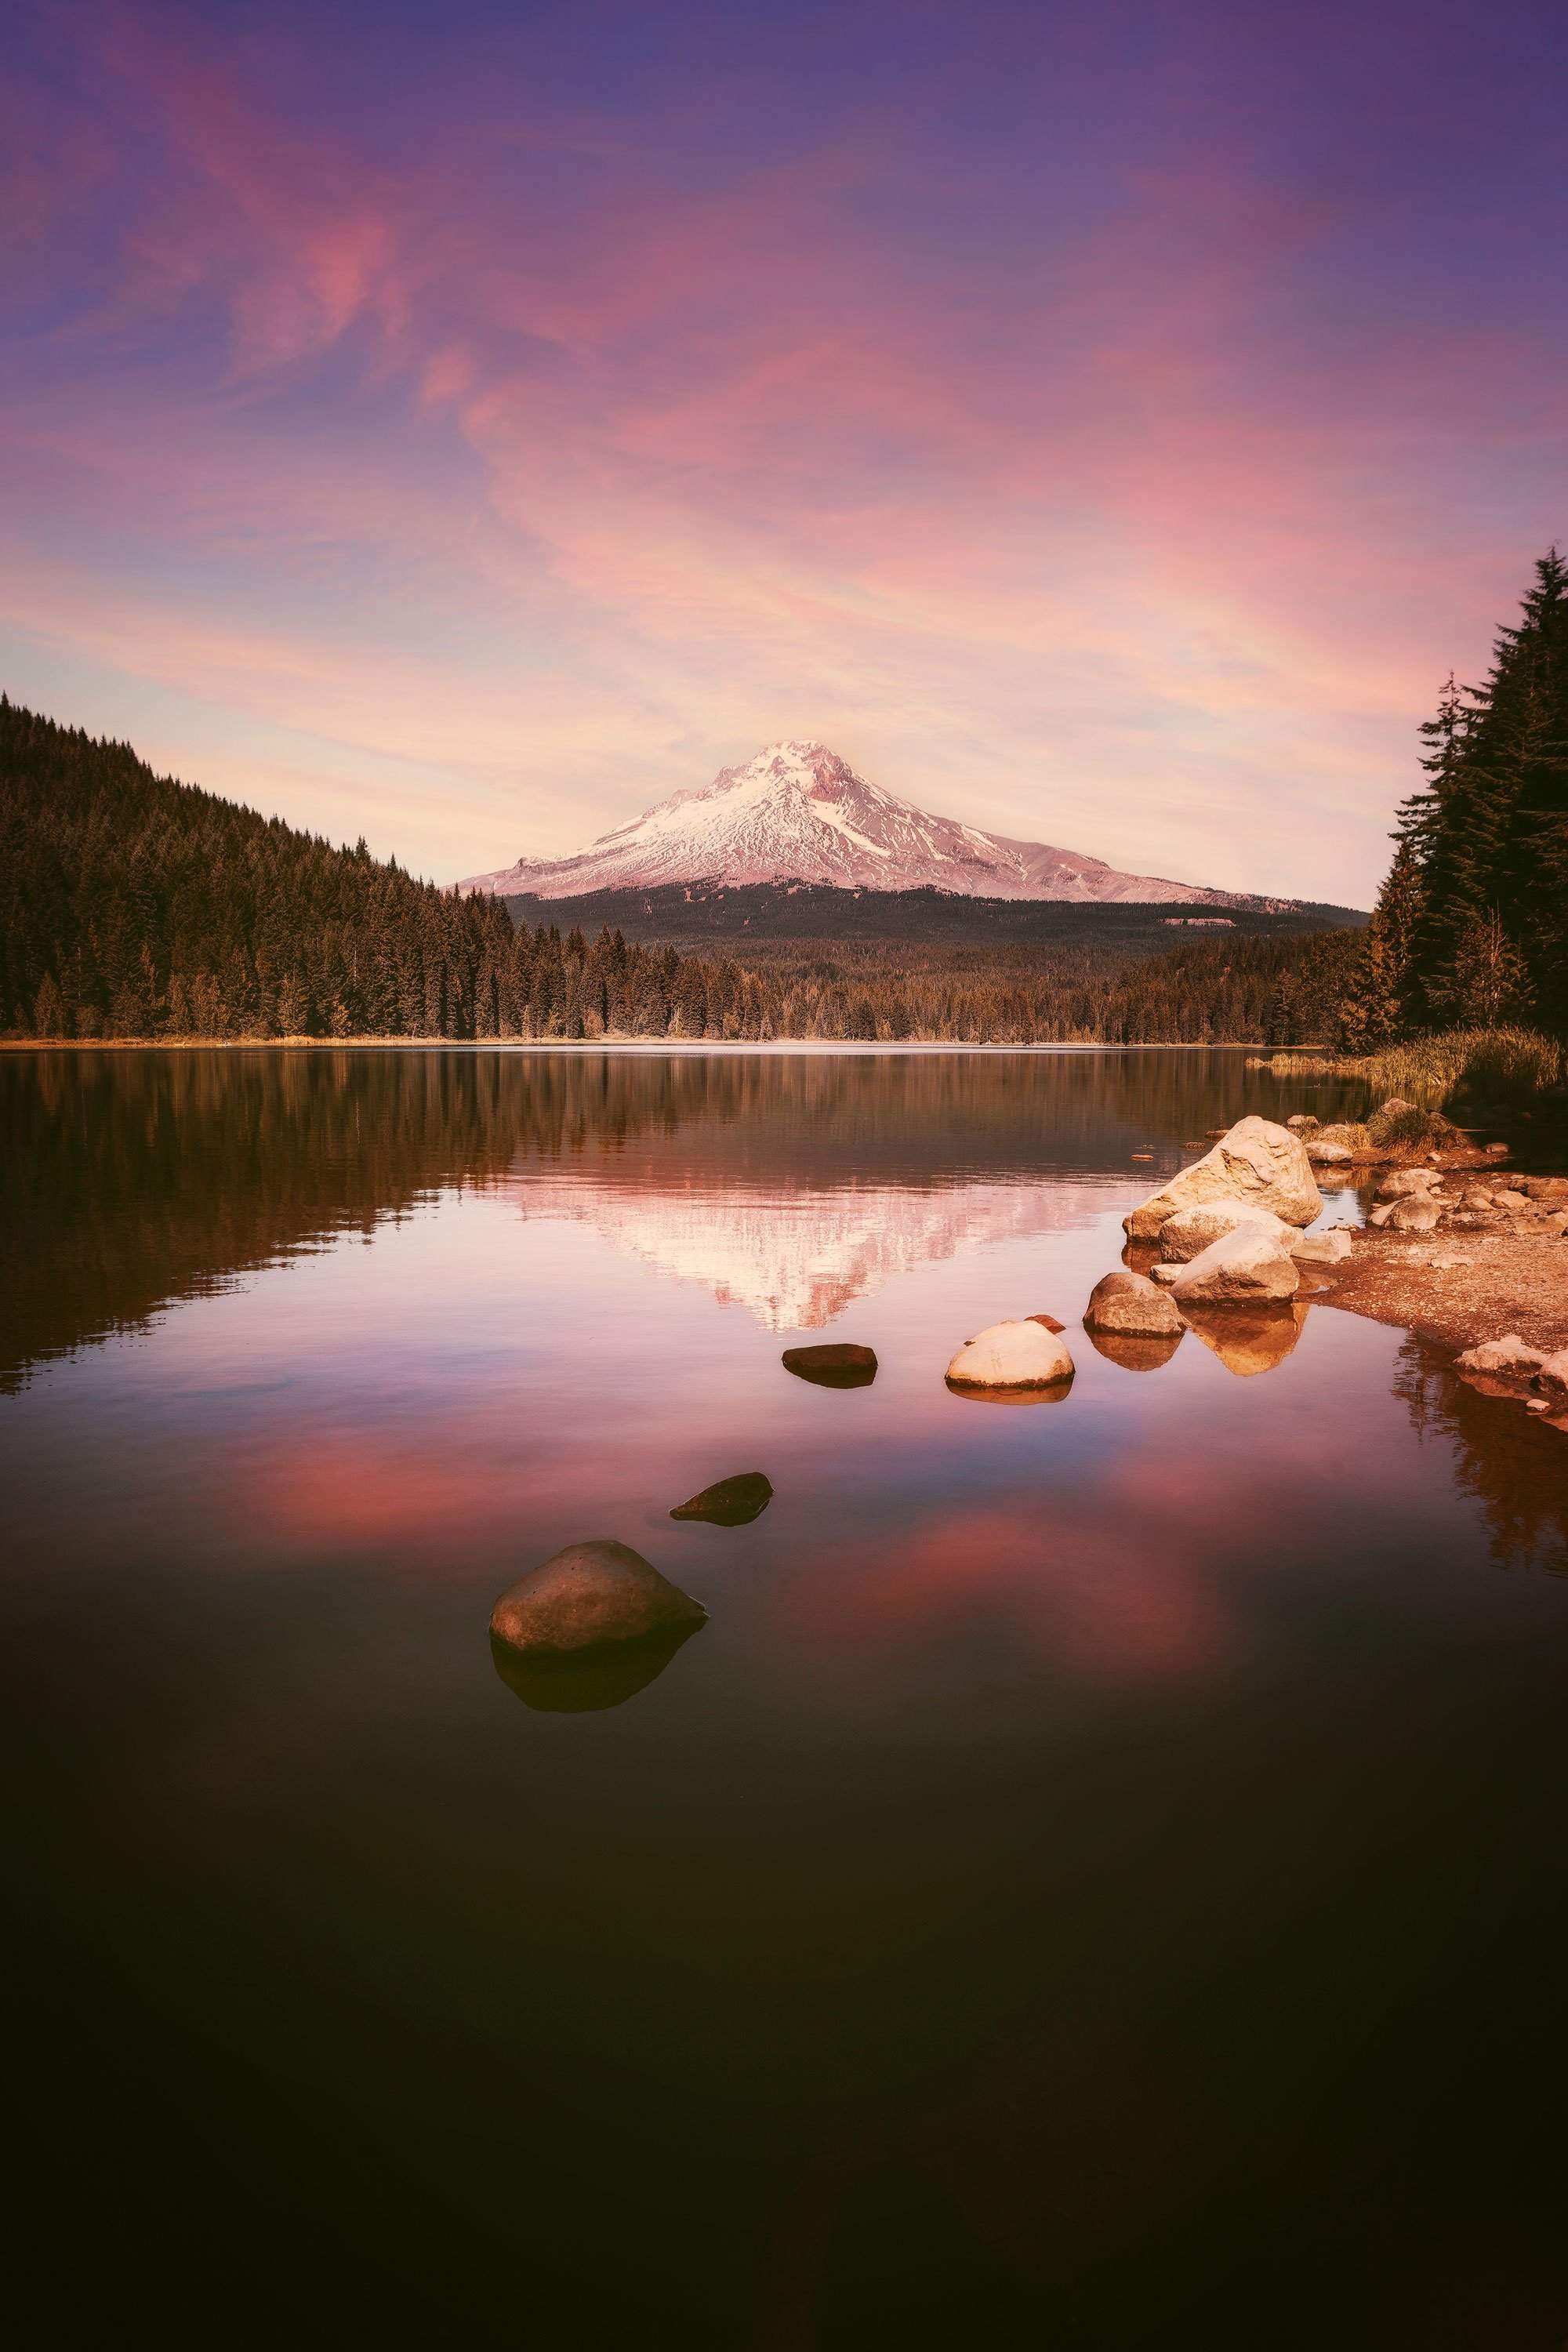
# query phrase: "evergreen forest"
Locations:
[[1470, 929], [135, 907]]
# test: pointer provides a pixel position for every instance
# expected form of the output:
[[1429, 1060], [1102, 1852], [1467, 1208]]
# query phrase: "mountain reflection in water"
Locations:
[[1095, 1883]]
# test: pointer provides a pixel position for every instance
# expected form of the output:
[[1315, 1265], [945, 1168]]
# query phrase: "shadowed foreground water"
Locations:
[[1096, 1881]]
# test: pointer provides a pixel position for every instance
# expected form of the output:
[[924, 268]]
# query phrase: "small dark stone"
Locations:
[[731, 1503], [837, 1365], [1048, 1320]]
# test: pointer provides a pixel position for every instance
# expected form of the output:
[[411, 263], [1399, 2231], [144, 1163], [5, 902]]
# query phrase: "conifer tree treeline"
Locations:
[[131, 905], [1470, 929]]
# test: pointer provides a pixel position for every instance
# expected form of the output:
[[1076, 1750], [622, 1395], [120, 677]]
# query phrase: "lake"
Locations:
[[1096, 1881]]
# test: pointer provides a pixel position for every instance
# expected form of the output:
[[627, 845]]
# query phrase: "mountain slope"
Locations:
[[799, 812]]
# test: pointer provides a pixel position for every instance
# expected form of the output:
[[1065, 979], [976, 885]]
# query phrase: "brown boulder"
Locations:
[[1132, 1307], [588, 1595]]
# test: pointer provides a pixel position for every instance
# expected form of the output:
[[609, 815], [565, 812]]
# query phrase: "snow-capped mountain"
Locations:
[[797, 812]]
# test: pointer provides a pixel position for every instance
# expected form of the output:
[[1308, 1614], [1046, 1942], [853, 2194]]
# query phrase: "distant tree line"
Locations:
[[1470, 929], [135, 907]]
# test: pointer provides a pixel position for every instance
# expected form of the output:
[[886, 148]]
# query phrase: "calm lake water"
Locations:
[[1096, 1881]]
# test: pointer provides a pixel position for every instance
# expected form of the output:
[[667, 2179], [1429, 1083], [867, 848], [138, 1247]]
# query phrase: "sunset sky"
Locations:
[[467, 425]]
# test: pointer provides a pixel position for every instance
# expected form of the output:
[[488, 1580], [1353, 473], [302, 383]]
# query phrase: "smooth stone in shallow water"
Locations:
[[1048, 1322], [1255, 1164], [1248, 1339], [730, 1502], [1245, 1265], [1130, 1304], [1191, 1231], [835, 1365], [590, 1594], [585, 1682], [1134, 1354], [1017, 1356]]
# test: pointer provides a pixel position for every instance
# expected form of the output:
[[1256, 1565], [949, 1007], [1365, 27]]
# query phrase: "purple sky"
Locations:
[[467, 425]]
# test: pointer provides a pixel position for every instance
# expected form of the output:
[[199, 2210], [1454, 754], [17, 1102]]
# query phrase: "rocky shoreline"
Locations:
[[1455, 1249]]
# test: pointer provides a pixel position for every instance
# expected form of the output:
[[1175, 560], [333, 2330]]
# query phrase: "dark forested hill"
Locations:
[[135, 907], [783, 925]]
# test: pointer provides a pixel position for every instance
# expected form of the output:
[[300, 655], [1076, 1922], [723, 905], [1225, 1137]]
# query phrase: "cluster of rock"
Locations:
[[1508, 1368], [1422, 1200]]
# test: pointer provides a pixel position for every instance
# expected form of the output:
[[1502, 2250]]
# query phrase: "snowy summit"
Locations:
[[797, 812]]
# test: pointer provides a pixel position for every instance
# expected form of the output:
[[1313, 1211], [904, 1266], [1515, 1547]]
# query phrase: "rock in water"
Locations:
[[1256, 1163], [589, 1595], [1246, 1265], [1048, 1321], [1191, 1231], [1552, 1380], [1327, 1248], [730, 1503], [1130, 1305], [1330, 1155], [1304, 1124], [1017, 1356], [835, 1365]]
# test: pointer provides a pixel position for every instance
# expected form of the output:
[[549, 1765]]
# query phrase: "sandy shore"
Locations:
[[1513, 1282]]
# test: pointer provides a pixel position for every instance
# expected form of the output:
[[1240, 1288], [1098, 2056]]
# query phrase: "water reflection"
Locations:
[[791, 1186], [1248, 1339], [1134, 1355], [588, 1682]]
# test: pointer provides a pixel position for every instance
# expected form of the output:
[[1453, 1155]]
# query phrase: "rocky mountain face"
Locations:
[[797, 812]]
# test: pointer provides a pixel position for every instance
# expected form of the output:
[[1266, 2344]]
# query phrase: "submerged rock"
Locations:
[[588, 1595], [1191, 1231], [1134, 1354], [1248, 1339], [1019, 1356], [1248, 1265], [730, 1502], [1256, 1163], [837, 1364], [1132, 1305]]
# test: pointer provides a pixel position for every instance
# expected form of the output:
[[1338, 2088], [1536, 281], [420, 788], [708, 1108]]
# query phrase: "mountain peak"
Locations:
[[797, 812]]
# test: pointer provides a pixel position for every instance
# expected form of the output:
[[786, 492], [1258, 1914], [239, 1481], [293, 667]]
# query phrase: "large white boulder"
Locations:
[[1257, 1163], [1191, 1231], [1248, 1265], [1552, 1378], [1022, 1355]]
